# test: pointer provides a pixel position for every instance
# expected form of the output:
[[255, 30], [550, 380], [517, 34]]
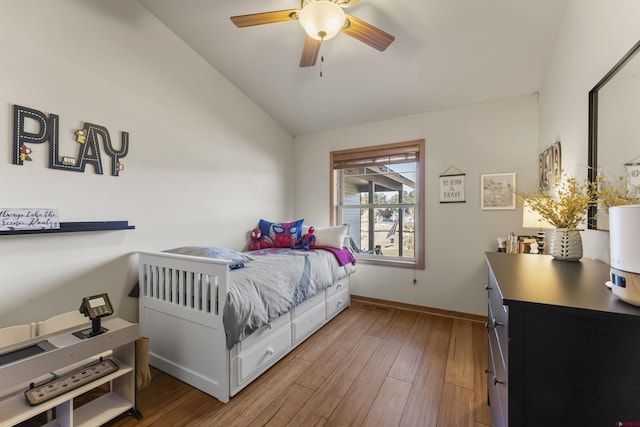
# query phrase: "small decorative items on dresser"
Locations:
[[566, 213], [566, 244]]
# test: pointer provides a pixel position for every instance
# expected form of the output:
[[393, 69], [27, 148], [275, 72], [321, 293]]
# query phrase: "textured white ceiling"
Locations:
[[446, 53]]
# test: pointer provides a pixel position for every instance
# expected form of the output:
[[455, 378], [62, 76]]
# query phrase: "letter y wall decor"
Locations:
[[47, 130]]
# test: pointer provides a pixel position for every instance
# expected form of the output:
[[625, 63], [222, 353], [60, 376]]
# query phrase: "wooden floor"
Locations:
[[370, 366]]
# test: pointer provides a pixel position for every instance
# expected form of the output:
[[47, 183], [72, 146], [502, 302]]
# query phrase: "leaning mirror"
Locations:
[[614, 127]]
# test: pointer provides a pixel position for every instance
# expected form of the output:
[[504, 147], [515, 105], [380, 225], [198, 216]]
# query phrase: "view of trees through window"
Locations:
[[379, 206]]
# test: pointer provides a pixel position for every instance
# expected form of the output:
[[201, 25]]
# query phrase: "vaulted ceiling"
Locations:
[[446, 53]]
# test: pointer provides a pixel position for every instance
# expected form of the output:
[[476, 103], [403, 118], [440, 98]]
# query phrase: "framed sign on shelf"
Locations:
[[498, 191]]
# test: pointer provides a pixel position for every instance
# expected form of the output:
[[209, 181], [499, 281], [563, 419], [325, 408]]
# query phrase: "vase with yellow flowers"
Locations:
[[566, 211]]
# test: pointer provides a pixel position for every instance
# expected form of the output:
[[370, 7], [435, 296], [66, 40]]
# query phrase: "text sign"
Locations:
[[88, 138], [452, 188], [28, 219]]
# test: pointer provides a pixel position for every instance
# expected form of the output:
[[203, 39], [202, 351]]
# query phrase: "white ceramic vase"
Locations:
[[566, 245]]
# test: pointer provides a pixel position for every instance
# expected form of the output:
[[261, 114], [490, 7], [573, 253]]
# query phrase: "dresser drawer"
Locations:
[[497, 383], [500, 328], [495, 300], [262, 353], [308, 322], [337, 302]]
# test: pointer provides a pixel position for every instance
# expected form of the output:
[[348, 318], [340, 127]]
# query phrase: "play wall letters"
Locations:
[[88, 137]]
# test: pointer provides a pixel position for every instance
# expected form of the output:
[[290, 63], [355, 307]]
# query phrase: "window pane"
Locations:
[[382, 231], [394, 232], [375, 194]]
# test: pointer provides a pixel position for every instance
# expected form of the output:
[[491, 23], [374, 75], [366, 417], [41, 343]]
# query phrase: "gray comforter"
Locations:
[[273, 283]]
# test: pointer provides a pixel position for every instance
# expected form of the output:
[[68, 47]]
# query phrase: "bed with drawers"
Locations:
[[217, 323]]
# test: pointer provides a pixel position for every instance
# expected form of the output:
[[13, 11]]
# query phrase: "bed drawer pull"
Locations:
[[269, 326], [338, 286], [340, 302], [269, 351]]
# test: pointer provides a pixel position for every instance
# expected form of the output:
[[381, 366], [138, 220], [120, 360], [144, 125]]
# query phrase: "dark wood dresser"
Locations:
[[563, 350]]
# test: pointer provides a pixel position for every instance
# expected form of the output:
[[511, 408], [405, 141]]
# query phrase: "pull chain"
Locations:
[[321, 64]]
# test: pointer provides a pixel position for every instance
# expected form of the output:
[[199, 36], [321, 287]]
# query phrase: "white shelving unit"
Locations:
[[121, 398]]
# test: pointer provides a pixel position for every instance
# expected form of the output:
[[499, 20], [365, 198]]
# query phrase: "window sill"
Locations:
[[386, 262]]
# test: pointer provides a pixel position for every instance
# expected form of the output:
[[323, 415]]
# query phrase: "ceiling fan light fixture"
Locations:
[[322, 19]]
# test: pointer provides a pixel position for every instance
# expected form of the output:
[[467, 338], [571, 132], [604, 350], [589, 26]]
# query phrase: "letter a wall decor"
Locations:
[[88, 137]]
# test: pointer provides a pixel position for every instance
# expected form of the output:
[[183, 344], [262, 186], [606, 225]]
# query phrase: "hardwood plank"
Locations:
[[460, 362], [284, 407], [424, 399], [353, 408], [387, 409], [406, 364], [317, 374], [332, 351], [383, 322], [456, 407], [343, 327], [482, 412], [251, 401], [405, 318], [329, 395]]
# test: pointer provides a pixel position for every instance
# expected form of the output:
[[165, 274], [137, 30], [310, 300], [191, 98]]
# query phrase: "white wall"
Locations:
[[204, 162], [595, 34], [499, 136]]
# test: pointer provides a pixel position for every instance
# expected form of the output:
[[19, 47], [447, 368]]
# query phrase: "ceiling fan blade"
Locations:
[[310, 52], [367, 33], [265, 18]]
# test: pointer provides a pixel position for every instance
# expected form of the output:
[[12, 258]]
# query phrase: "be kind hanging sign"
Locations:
[[47, 131]]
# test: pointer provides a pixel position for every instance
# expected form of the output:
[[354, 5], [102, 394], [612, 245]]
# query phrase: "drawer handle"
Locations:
[[340, 302], [488, 371], [269, 326], [338, 286], [487, 287], [270, 351], [496, 381], [496, 323], [487, 325]]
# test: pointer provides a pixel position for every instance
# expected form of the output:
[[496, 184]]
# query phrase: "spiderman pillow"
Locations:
[[279, 234]]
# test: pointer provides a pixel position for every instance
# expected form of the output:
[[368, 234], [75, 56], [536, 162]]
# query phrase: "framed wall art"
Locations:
[[498, 191], [452, 186], [550, 166]]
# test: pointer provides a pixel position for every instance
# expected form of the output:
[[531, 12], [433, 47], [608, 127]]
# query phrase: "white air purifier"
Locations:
[[624, 240]]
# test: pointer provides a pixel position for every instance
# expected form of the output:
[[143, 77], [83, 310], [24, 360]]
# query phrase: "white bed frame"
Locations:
[[181, 304]]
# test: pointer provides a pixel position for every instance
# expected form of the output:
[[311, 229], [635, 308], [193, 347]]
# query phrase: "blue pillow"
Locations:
[[280, 234], [236, 258]]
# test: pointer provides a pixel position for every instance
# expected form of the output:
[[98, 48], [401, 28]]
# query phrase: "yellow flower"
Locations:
[[568, 209], [617, 192]]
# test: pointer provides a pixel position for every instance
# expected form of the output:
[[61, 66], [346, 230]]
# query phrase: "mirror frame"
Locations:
[[592, 172]]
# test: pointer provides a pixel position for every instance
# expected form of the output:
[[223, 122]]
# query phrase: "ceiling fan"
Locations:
[[321, 20]]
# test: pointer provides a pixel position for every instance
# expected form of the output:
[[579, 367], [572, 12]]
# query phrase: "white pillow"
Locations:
[[330, 236]]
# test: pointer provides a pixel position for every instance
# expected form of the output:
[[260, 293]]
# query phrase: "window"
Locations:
[[378, 191]]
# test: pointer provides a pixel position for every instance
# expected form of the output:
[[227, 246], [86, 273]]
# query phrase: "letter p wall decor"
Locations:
[[47, 130]]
